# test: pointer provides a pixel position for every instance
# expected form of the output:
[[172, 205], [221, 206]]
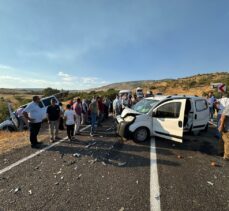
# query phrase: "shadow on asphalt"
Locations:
[[205, 143], [110, 153]]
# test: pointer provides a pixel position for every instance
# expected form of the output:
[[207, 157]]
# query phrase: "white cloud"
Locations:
[[65, 81], [66, 77], [82, 81], [5, 67]]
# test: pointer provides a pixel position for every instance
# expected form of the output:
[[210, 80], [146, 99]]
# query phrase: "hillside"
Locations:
[[193, 85]]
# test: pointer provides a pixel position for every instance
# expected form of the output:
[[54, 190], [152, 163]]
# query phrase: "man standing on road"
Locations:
[[211, 101], [220, 105], [77, 107], [116, 106], [224, 129], [34, 115], [84, 112], [93, 108], [53, 116], [70, 117]]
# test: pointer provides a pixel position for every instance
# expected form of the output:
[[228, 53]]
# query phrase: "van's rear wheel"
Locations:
[[141, 134]]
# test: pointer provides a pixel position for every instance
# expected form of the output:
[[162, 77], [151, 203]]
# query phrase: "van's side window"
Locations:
[[47, 101], [169, 110], [201, 105], [41, 105]]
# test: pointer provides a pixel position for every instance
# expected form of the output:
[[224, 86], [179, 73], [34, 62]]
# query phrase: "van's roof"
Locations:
[[162, 97], [124, 91], [157, 97]]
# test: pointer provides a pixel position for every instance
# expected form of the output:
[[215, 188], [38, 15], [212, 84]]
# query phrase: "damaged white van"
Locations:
[[164, 116]]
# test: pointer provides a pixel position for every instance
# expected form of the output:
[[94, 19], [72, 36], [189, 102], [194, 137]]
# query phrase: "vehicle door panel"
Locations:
[[201, 115], [13, 116], [168, 120]]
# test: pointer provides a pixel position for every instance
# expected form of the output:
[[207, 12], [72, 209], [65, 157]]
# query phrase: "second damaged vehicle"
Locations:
[[13, 122], [164, 116]]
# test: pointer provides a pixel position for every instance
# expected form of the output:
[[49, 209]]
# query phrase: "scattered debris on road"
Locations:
[[122, 164], [122, 209], [157, 196], [59, 172], [90, 145], [92, 161], [17, 190], [213, 163], [180, 157], [210, 183], [57, 183], [30, 192], [76, 155], [79, 176], [71, 163]]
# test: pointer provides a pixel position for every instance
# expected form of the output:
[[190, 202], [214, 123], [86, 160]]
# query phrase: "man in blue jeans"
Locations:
[[33, 113], [211, 101], [93, 108]]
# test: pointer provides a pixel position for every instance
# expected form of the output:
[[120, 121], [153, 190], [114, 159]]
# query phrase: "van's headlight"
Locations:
[[129, 119]]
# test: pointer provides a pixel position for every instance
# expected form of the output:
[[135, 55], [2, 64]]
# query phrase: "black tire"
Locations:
[[141, 134], [196, 133], [8, 129], [206, 128]]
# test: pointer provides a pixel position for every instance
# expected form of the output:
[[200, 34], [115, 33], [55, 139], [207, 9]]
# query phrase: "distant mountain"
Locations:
[[196, 84]]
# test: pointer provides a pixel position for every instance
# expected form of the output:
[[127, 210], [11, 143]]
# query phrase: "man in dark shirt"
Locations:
[[53, 116]]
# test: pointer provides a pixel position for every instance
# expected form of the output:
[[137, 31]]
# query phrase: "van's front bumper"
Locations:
[[123, 128]]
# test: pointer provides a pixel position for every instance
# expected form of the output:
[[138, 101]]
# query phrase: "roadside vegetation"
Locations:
[[194, 85]]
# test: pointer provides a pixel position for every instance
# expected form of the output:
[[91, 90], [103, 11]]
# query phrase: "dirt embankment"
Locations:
[[15, 140]]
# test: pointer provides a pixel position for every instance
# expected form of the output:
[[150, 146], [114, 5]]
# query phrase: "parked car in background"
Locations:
[[164, 116], [12, 123], [124, 92]]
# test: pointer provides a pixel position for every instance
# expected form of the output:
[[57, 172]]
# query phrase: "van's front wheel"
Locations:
[[141, 134]]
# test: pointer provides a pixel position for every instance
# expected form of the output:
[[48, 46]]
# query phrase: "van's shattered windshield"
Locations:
[[144, 105]]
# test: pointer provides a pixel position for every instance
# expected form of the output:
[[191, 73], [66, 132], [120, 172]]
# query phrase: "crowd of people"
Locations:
[[76, 113], [221, 108], [96, 110]]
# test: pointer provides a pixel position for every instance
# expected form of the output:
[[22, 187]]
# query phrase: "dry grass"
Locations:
[[15, 140], [12, 97]]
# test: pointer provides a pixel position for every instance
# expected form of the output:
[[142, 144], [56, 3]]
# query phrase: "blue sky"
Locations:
[[80, 44]]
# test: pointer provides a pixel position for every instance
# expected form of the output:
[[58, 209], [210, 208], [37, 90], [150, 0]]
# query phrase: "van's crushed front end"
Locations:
[[124, 120]]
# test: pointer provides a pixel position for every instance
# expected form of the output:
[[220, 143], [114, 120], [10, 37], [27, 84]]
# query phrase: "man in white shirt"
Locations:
[[34, 115], [220, 105], [116, 106]]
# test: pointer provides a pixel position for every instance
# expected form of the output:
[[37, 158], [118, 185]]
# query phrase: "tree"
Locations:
[[49, 91]]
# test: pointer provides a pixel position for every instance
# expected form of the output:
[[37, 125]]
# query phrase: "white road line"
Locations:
[[155, 204], [35, 154], [85, 128], [30, 156]]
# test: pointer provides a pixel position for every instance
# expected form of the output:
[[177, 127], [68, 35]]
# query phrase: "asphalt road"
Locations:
[[107, 176]]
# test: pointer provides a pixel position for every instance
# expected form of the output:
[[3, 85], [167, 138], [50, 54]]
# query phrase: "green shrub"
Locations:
[[4, 113]]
